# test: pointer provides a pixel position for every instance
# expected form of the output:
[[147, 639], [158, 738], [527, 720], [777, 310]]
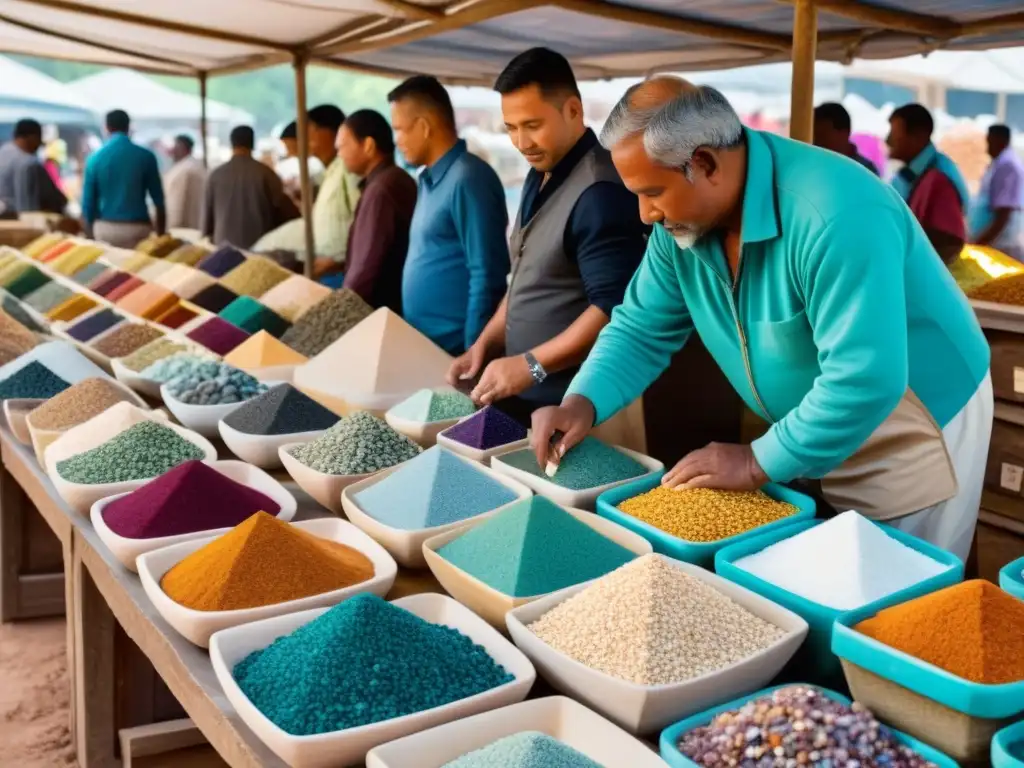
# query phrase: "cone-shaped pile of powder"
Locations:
[[434, 405], [532, 548], [436, 488], [261, 350], [191, 497], [526, 749], [487, 429], [34, 380], [972, 630], [363, 661], [263, 561], [282, 410]]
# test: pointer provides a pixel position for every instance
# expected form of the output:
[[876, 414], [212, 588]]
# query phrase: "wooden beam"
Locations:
[[1009, 22], [249, 63], [302, 134], [202, 119], [398, 74], [414, 10], [887, 18], [485, 10], [672, 23], [181, 67], [167, 25], [805, 50], [351, 28]]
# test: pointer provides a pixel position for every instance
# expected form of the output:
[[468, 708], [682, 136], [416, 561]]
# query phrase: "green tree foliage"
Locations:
[[268, 94]]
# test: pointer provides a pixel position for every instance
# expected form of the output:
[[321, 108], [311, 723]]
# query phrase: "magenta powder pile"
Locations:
[[191, 497], [218, 335], [487, 429]]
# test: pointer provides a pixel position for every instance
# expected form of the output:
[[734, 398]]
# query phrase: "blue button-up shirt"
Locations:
[[118, 178], [455, 273]]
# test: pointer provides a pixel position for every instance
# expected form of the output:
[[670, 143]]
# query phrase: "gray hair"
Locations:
[[673, 130]]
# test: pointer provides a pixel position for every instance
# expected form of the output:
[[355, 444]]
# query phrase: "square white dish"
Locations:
[[261, 450], [349, 747], [323, 487], [198, 626]]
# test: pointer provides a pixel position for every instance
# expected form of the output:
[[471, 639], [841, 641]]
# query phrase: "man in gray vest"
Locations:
[[575, 245]]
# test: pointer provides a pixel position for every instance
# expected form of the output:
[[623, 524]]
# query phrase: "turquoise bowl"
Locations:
[[815, 660], [1004, 755], [670, 736], [1010, 578], [698, 553]]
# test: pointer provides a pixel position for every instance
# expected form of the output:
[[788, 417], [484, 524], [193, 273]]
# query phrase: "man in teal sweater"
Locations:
[[822, 300]]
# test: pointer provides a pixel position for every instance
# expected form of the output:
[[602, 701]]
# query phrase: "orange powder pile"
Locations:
[[973, 630], [262, 350]]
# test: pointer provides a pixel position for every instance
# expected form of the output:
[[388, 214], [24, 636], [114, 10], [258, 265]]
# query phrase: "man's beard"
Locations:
[[685, 236]]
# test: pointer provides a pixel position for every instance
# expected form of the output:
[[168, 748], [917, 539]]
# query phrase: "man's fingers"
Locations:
[[543, 425], [689, 467], [700, 481], [571, 439]]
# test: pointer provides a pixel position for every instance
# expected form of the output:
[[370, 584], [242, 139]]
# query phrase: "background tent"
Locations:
[[25, 92]]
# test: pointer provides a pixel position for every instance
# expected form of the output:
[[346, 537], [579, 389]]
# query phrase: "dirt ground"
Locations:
[[34, 696]]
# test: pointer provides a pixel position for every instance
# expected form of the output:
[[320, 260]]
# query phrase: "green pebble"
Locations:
[[529, 749], [532, 548], [363, 661], [359, 444], [588, 465], [142, 451]]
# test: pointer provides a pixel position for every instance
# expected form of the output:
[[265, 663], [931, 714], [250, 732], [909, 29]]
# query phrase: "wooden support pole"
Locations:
[[202, 118], [302, 134], [805, 49]]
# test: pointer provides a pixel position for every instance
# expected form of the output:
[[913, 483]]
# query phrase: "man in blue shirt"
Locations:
[[820, 297], [118, 178], [455, 271]]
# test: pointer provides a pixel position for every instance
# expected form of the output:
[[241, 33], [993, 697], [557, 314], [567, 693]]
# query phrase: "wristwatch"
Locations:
[[536, 369]]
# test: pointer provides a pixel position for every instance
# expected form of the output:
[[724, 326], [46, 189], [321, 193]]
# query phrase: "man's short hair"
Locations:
[[1000, 131], [243, 137], [326, 116], [27, 129], [290, 131], [118, 121], [834, 114], [369, 124], [549, 70], [185, 140], [429, 93], [916, 118]]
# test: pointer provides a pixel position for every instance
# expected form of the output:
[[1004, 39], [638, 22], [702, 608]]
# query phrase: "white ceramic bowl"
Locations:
[[200, 418], [422, 432], [585, 499], [406, 546], [17, 409], [198, 626], [349, 747], [489, 602], [128, 550], [647, 708], [476, 454], [324, 488], [126, 375], [557, 716], [262, 450], [81, 497]]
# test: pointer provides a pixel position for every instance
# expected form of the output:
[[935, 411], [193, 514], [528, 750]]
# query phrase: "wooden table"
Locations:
[[110, 687]]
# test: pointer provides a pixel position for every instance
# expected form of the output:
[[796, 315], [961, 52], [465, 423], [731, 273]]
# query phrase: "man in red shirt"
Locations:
[[927, 181]]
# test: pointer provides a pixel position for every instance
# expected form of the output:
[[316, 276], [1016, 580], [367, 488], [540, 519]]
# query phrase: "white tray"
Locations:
[[646, 708], [17, 409], [488, 602], [422, 432], [349, 747], [198, 626], [262, 450], [200, 418], [557, 716], [585, 499], [324, 488], [406, 546], [127, 550]]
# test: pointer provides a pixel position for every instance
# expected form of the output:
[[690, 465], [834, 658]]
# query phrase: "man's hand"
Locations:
[[574, 418], [467, 366], [718, 465], [504, 377]]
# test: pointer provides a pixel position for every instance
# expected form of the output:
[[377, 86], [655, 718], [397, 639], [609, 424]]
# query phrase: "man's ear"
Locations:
[[705, 162]]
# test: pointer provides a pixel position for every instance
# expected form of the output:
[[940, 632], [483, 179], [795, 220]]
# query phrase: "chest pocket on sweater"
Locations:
[[784, 361]]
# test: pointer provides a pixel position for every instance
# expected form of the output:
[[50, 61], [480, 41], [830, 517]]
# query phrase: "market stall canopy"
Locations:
[[26, 92], [470, 40], [993, 71], [146, 99]]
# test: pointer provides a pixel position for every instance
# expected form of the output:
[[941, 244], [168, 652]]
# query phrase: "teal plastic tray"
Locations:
[[698, 553], [1008, 747], [816, 659], [1010, 578], [670, 736], [975, 699]]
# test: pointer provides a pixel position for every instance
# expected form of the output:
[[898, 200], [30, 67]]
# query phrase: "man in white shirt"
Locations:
[[184, 187]]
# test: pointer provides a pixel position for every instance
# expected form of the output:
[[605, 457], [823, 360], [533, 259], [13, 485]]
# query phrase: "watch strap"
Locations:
[[536, 369]]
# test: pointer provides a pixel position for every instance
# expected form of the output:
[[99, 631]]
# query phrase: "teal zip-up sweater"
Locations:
[[841, 304]]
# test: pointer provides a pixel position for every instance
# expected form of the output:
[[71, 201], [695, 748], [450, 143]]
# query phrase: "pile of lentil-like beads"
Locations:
[[142, 451], [651, 623], [199, 381], [794, 726], [528, 749], [705, 514], [357, 445]]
